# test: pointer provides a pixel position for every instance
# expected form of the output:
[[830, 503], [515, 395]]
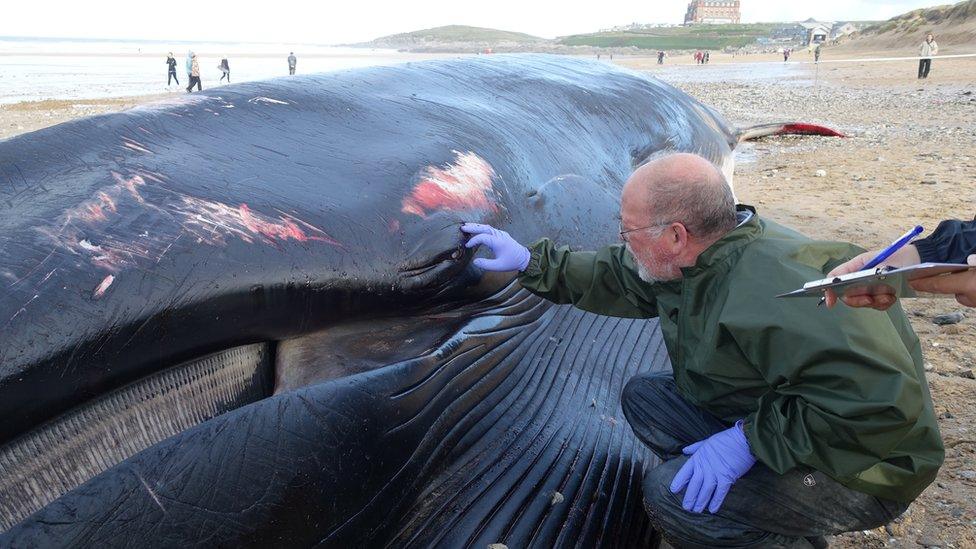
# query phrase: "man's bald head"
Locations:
[[682, 187]]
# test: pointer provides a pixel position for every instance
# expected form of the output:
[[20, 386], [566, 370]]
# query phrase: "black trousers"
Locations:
[[170, 77], [763, 509], [924, 66], [194, 80], [225, 75], [291, 70]]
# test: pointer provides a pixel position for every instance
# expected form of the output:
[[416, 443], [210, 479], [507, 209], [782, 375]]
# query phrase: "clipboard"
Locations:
[[883, 279]]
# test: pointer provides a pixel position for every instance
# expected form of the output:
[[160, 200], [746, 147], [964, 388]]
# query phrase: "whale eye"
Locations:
[[456, 255]]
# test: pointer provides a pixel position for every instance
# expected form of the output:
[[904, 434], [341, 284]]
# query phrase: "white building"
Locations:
[[817, 32], [842, 29]]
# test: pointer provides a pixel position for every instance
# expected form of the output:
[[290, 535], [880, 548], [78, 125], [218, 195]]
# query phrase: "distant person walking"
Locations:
[[194, 74], [698, 57], [660, 58], [705, 59], [292, 61], [816, 52], [224, 67], [189, 63], [171, 69], [926, 51], [786, 54]]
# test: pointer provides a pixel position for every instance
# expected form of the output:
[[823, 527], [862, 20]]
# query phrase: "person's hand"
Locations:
[[509, 254], [714, 466], [863, 297], [962, 285]]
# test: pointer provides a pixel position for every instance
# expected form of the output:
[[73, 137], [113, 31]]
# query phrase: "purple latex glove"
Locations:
[[509, 254], [714, 466]]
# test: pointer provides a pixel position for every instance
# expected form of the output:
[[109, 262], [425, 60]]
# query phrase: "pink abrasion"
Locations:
[[134, 145], [462, 186], [103, 286], [287, 228], [91, 229], [808, 129]]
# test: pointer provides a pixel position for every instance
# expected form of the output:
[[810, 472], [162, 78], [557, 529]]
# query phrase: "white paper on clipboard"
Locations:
[[881, 280]]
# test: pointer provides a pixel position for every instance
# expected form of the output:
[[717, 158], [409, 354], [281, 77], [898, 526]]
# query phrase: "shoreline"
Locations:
[[215, 53], [799, 62], [834, 75]]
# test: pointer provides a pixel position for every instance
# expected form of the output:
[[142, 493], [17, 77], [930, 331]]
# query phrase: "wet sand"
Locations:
[[910, 158], [28, 116]]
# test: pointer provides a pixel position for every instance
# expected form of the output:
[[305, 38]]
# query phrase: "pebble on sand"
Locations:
[[948, 318]]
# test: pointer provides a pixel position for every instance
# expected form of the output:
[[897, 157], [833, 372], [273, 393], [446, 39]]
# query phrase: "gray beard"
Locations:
[[642, 272]]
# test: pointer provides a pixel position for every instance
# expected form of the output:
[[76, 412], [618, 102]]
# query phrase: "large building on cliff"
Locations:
[[714, 12]]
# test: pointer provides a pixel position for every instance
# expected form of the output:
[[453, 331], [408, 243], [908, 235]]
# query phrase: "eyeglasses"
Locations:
[[623, 233]]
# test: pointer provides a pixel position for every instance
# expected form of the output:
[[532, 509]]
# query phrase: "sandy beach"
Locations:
[[910, 158]]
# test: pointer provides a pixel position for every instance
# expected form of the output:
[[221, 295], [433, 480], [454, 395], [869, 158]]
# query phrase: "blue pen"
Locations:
[[895, 246], [886, 253]]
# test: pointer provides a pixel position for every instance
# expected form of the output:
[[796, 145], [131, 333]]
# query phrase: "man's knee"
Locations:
[[662, 506], [645, 388], [686, 529], [660, 417], [664, 509]]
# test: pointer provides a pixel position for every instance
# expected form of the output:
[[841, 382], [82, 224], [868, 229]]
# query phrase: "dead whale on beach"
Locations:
[[247, 318]]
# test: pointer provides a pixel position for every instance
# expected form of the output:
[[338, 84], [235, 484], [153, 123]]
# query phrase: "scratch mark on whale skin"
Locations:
[[267, 100], [22, 309], [134, 145], [99, 229], [136, 220], [151, 493], [212, 222]]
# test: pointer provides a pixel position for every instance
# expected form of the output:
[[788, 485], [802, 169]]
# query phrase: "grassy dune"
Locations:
[[457, 34], [698, 36], [954, 27]]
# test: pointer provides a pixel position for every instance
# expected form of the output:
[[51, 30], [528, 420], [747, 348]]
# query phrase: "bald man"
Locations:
[[781, 423]]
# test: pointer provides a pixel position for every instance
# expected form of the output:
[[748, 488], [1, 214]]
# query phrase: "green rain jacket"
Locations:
[[842, 391]]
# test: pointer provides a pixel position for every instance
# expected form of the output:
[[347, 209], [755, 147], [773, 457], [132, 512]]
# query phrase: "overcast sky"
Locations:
[[332, 22]]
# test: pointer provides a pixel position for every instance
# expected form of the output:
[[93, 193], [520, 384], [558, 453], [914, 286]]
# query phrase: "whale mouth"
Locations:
[[437, 259], [442, 260]]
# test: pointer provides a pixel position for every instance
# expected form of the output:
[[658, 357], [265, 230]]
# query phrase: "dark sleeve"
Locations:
[[951, 242], [603, 282]]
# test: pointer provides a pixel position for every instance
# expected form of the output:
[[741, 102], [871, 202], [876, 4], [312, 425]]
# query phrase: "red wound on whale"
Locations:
[[464, 185], [809, 129]]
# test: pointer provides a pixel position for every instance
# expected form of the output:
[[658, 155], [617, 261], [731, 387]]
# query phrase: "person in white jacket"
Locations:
[[926, 51]]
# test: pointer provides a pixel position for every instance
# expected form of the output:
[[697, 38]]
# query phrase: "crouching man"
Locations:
[[782, 422]]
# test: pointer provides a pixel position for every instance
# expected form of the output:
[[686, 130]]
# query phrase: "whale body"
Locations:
[[247, 316]]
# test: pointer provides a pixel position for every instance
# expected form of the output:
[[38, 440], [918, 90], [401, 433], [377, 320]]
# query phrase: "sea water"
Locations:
[[33, 69]]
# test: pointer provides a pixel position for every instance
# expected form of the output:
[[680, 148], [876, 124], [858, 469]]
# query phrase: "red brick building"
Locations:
[[715, 12]]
